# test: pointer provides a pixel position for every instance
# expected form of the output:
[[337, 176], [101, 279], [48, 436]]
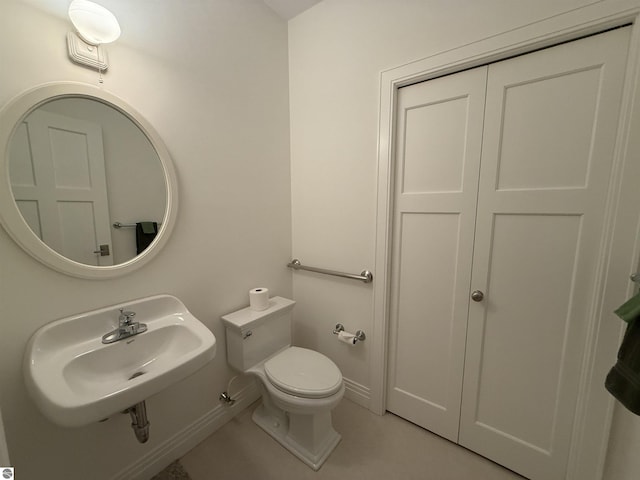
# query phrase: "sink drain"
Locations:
[[137, 374]]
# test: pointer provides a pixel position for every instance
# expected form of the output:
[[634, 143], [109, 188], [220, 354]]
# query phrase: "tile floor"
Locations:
[[373, 447], [175, 471]]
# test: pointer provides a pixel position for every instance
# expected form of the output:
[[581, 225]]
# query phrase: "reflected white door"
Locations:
[[545, 140], [438, 151], [58, 180], [550, 126]]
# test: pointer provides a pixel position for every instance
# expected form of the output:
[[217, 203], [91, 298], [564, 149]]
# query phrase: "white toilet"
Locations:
[[299, 386]]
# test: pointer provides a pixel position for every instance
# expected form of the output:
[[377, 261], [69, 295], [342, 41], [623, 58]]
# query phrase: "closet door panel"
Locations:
[[550, 127], [427, 152], [540, 154], [429, 243], [532, 258], [437, 161]]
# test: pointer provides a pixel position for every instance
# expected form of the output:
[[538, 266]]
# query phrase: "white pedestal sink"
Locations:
[[76, 380]]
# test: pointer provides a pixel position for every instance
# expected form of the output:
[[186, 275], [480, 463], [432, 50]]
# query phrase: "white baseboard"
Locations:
[[154, 461], [357, 393], [176, 446]]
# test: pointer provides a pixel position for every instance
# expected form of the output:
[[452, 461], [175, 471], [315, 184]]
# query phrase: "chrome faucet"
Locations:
[[126, 328]]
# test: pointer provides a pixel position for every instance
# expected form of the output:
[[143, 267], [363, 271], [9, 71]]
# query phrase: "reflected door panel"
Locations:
[[58, 180]]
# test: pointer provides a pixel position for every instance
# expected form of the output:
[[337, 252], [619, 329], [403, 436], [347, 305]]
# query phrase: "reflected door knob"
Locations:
[[477, 295]]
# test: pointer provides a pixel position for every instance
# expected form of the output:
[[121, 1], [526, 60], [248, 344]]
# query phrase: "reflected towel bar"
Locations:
[[365, 276], [128, 225]]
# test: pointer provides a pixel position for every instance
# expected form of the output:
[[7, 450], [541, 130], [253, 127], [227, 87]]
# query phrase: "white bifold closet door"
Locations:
[[502, 174], [439, 144]]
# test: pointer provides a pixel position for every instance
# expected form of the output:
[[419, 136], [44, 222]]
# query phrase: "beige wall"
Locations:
[[337, 51], [222, 109], [212, 79]]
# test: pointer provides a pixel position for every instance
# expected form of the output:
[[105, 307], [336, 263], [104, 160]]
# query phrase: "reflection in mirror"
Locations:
[[77, 166]]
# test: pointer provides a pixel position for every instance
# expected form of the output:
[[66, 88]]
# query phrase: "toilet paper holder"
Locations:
[[359, 335]]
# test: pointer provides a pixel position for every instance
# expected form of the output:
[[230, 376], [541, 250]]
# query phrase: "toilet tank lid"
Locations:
[[246, 319]]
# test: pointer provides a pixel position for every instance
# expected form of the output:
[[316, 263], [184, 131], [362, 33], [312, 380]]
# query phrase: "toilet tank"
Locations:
[[253, 336]]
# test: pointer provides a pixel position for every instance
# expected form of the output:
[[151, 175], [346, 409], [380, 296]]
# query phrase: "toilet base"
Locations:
[[311, 438]]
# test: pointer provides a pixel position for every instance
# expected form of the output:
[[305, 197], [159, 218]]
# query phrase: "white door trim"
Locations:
[[621, 238]]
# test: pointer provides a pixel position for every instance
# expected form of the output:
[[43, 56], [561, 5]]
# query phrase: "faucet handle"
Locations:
[[126, 317]]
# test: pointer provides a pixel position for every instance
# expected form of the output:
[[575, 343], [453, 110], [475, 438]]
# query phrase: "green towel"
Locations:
[[623, 380], [630, 310], [148, 228]]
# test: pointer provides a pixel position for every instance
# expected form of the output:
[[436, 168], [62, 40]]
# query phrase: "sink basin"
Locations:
[[76, 380]]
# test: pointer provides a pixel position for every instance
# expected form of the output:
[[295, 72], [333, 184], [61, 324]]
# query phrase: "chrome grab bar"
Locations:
[[365, 276]]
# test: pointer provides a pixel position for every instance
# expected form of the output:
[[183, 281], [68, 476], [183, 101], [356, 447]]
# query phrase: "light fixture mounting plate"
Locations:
[[86, 54]]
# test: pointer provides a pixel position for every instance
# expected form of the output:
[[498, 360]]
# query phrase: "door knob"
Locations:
[[477, 296]]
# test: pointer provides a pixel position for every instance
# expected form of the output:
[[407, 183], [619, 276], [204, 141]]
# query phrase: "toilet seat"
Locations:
[[304, 373]]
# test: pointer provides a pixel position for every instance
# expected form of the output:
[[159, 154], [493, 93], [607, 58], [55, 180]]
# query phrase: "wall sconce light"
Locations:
[[95, 26]]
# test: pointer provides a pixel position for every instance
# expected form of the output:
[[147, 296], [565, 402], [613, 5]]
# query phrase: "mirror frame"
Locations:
[[10, 217]]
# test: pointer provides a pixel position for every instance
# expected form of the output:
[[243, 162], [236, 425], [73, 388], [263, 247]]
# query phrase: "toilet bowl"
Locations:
[[296, 408], [299, 387]]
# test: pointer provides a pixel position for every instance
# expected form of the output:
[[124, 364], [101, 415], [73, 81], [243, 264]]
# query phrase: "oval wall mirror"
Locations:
[[87, 186]]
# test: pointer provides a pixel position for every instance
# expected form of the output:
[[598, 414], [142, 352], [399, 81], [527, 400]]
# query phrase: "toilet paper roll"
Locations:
[[347, 337], [259, 298]]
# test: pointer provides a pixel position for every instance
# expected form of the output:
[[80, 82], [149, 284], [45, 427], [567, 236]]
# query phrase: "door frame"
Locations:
[[621, 237]]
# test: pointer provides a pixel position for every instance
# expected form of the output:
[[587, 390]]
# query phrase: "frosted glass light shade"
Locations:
[[95, 24]]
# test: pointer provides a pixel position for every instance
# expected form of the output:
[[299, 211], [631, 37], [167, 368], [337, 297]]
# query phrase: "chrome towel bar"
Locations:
[[127, 225], [635, 277], [365, 276]]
